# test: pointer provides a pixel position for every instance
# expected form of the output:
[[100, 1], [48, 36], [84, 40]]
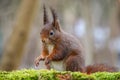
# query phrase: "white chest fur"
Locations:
[[57, 65], [50, 48]]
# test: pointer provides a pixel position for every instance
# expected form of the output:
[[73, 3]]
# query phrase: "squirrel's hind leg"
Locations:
[[73, 63]]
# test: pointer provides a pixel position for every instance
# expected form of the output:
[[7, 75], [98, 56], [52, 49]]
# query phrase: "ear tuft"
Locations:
[[55, 22], [56, 25], [45, 15]]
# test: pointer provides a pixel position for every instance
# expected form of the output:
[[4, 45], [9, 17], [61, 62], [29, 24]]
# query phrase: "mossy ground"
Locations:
[[32, 74]]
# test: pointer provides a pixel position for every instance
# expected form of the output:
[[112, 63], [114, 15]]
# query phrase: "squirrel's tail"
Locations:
[[100, 68]]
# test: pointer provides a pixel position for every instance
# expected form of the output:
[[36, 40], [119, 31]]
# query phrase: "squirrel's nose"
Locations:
[[43, 40]]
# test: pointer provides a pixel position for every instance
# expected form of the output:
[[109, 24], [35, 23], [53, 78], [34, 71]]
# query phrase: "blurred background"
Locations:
[[94, 22]]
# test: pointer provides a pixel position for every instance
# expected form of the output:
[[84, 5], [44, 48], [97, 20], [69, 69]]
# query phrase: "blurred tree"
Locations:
[[1, 40], [108, 54], [88, 38], [118, 16], [14, 48], [114, 27]]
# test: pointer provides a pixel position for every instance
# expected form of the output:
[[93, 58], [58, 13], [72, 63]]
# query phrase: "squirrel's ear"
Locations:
[[55, 22], [45, 18], [56, 25]]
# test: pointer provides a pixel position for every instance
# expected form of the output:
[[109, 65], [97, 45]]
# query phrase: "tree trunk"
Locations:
[[13, 51], [89, 45]]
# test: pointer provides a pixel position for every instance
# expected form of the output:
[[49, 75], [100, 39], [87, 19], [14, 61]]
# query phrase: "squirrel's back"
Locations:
[[71, 42]]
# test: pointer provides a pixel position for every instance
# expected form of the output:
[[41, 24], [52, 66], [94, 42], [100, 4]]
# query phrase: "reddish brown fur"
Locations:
[[100, 68], [66, 47]]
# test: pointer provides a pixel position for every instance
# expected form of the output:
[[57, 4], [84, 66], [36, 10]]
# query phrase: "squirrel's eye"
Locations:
[[51, 33]]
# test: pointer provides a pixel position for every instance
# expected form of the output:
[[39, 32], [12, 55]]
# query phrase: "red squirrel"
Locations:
[[66, 51], [61, 50]]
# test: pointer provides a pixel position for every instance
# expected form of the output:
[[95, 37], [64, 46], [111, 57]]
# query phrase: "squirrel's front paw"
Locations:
[[38, 59], [47, 61], [37, 62]]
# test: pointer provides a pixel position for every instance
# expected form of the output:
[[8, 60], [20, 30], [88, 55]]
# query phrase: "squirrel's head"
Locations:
[[51, 30]]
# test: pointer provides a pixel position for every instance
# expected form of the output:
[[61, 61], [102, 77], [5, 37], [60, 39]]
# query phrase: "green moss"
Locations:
[[56, 75], [47, 75], [19, 75], [107, 75], [82, 76]]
